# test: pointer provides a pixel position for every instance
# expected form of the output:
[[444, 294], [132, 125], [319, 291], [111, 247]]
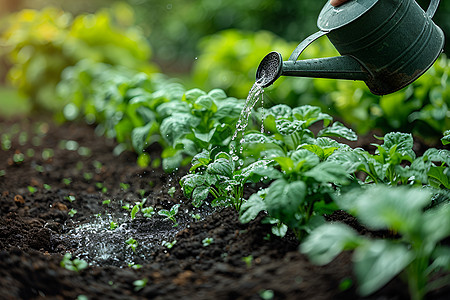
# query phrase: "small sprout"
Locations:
[[98, 166], [345, 284], [132, 244], [140, 284], [196, 216], [2, 173], [106, 202], [72, 145], [98, 215], [39, 168], [82, 297], [32, 189], [171, 191], [18, 158], [47, 154], [70, 198], [148, 212], [113, 225], [6, 142], [170, 214], [134, 266], [84, 151], [169, 245], [23, 138], [124, 186], [79, 166], [47, 187], [142, 193], [126, 206], [207, 241], [101, 187], [267, 237], [248, 260], [134, 211], [73, 264], [67, 181], [72, 212], [30, 152], [266, 294], [88, 176]]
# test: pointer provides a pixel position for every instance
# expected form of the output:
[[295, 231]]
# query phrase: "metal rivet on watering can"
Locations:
[[388, 44]]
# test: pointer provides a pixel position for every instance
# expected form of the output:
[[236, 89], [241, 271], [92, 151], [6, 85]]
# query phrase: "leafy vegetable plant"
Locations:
[[416, 255]]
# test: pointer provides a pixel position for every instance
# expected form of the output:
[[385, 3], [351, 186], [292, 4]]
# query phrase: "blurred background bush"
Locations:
[[210, 44]]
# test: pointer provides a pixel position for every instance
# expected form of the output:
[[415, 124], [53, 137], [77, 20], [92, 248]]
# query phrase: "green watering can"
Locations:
[[386, 43]]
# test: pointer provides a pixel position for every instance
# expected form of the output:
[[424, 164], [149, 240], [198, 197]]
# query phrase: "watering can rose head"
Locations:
[[388, 44]]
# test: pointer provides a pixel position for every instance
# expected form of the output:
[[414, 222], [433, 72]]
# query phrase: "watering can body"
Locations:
[[386, 43]]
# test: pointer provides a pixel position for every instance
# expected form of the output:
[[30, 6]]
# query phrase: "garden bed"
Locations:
[[49, 172]]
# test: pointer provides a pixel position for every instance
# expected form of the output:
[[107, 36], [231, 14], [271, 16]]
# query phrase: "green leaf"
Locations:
[[205, 103], [377, 262], [311, 114], [174, 209], [339, 130], [190, 182], [438, 174], [322, 153], [328, 172], [283, 200], [199, 160], [437, 155], [221, 166], [287, 127], [328, 241], [199, 195], [251, 208], [134, 211], [171, 163], [279, 111], [139, 137], [446, 139], [217, 94], [205, 137], [286, 164], [402, 141], [176, 126], [304, 160], [193, 94]]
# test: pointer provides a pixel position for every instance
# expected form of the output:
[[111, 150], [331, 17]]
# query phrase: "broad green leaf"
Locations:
[[221, 166], [377, 262], [328, 172], [176, 126], [251, 208], [171, 163], [446, 139], [134, 211], [217, 94], [193, 94], [283, 200], [167, 109], [199, 195], [286, 164], [204, 103], [199, 160], [328, 241], [287, 127], [438, 174], [435, 225], [261, 168], [437, 155], [351, 161], [311, 114], [339, 130], [304, 160], [139, 137], [205, 137], [388, 207], [403, 142], [174, 209], [279, 111], [228, 111], [322, 153]]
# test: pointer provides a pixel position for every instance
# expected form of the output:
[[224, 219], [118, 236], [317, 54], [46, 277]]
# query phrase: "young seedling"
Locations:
[[132, 244], [113, 225], [72, 212], [73, 264], [106, 202], [248, 260], [47, 187], [70, 198], [140, 284], [170, 214], [88, 176], [169, 245], [32, 189], [148, 212], [207, 241], [67, 181], [171, 191], [124, 186], [134, 266]]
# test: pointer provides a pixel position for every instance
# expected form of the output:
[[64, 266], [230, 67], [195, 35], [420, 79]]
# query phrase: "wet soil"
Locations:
[[47, 172]]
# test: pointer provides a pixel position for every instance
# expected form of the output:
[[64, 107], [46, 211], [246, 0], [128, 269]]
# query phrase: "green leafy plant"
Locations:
[[170, 214], [139, 206], [416, 255], [207, 241], [72, 212], [131, 244], [113, 225], [168, 245], [32, 189], [140, 284], [73, 264]]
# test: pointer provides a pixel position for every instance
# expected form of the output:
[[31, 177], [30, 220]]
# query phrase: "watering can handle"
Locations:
[[305, 43], [432, 8]]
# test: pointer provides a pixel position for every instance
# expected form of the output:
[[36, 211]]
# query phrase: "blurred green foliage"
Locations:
[[40, 44]]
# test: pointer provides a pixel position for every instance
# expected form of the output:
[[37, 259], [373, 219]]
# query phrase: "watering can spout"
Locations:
[[272, 67]]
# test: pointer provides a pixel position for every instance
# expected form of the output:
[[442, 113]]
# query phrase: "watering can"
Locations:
[[385, 43]]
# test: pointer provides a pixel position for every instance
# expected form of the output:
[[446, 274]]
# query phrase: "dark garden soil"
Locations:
[[49, 170]]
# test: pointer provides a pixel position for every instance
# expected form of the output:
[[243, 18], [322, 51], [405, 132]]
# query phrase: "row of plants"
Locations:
[[294, 172]]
